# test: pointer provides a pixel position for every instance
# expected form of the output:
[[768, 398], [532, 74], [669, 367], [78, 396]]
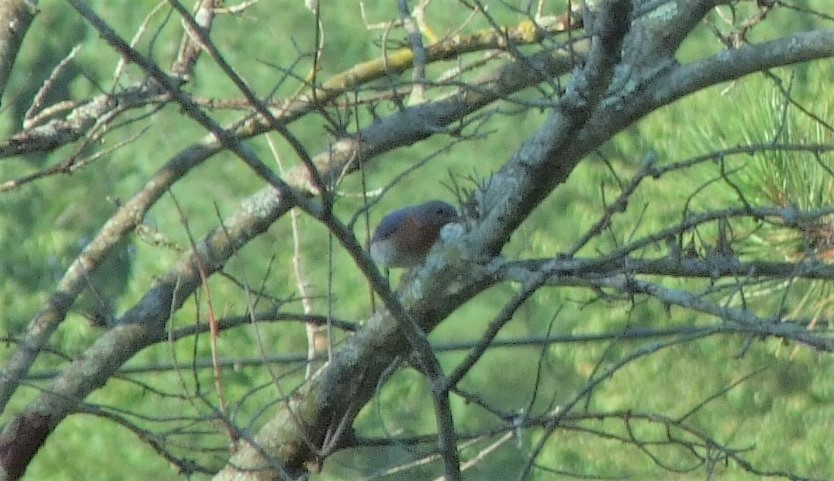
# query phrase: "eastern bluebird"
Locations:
[[404, 237]]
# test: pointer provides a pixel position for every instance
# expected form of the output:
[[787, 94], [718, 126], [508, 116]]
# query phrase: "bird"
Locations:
[[404, 236]]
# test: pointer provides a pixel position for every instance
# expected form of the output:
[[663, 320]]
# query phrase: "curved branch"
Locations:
[[732, 64], [543, 162]]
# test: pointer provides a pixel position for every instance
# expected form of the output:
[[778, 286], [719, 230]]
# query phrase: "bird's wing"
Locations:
[[390, 223]]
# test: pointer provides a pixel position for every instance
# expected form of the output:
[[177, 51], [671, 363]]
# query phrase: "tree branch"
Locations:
[[15, 18]]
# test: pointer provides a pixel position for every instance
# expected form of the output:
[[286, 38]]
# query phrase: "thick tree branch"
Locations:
[[15, 18], [75, 279], [401, 129], [715, 267], [142, 325], [190, 48], [427, 296], [773, 326]]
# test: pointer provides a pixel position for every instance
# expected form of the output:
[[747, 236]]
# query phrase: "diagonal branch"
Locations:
[[190, 47], [16, 16], [774, 327]]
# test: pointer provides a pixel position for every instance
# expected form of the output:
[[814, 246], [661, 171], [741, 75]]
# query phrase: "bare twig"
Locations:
[[31, 117], [191, 44]]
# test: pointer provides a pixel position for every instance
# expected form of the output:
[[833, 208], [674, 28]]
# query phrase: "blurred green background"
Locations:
[[784, 413]]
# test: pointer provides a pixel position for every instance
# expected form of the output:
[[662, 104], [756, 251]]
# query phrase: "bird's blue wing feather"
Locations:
[[390, 223]]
